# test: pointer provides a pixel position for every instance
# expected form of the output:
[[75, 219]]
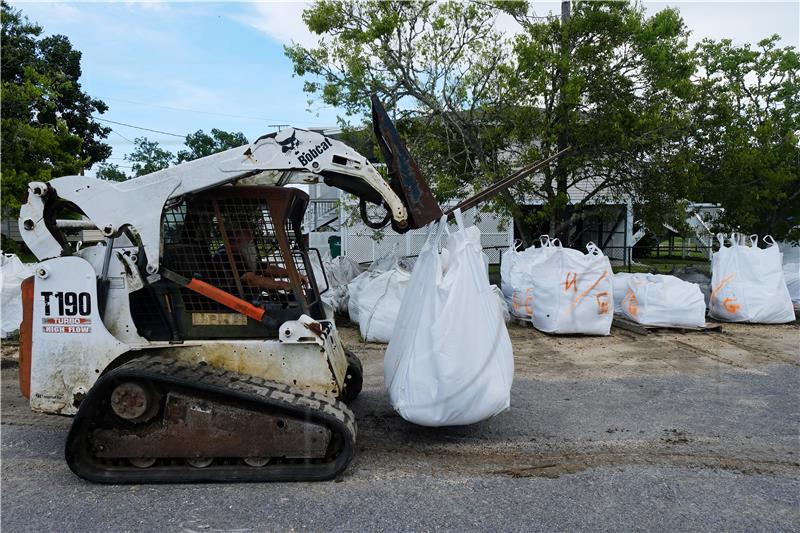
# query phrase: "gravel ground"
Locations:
[[661, 432]]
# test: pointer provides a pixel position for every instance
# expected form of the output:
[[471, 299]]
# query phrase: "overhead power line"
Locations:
[[215, 113], [115, 132], [138, 127]]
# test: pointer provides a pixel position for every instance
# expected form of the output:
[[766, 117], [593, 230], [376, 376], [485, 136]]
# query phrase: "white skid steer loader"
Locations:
[[192, 344]]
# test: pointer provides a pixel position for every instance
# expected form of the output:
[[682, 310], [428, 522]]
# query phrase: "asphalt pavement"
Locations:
[[717, 451]]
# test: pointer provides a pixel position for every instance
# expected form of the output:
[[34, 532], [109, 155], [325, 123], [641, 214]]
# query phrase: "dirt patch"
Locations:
[[9, 354], [623, 354]]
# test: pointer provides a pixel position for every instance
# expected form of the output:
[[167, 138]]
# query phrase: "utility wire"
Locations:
[[121, 135], [187, 110], [138, 127]]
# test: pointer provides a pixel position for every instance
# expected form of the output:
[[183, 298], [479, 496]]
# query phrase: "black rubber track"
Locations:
[[234, 389]]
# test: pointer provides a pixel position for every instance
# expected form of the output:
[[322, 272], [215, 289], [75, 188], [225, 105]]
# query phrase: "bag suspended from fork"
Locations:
[[747, 282], [450, 360]]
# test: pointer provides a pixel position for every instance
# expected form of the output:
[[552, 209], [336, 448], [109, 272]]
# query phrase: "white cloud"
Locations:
[[46, 12], [147, 5], [281, 21]]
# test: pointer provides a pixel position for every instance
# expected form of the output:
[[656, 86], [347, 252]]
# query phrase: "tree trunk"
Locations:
[[558, 226]]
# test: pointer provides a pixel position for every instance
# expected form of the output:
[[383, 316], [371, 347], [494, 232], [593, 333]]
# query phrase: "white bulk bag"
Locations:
[[791, 270], [379, 303], [353, 291], [450, 360], [339, 271], [659, 300], [791, 273], [747, 283], [620, 283], [515, 275], [572, 291], [12, 274], [354, 287], [501, 303]]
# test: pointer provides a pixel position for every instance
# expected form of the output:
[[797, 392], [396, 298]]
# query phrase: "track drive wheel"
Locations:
[[354, 379]]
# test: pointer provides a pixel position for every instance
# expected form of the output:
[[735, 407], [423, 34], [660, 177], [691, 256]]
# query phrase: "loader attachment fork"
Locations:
[[406, 179]]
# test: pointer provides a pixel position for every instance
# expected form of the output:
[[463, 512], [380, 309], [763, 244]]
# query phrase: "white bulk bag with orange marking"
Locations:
[[747, 282], [659, 300], [572, 291], [515, 275], [620, 283], [450, 360]]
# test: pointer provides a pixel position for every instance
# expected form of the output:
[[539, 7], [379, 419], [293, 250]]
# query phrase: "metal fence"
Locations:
[[365, 245], [661, 258], [321, 215]]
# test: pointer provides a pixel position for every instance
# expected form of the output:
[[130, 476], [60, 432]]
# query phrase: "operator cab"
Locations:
[[244, 240]]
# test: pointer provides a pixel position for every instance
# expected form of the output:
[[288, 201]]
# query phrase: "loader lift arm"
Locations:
[[291, 156]]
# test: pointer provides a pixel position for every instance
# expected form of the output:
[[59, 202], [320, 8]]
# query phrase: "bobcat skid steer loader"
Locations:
[[192, 345]]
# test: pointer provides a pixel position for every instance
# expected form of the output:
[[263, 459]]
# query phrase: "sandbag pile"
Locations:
[[12, 274], [562, 290], [339, 272], [659, 300], [375, 297], [747, 282], [450, 360], [375, 302]]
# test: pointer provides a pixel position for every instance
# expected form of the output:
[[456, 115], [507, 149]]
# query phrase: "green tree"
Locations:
[[110, 172], [201, 144], [609, 82], [148, 156], [439, 67], [47, 122], [747, 123]]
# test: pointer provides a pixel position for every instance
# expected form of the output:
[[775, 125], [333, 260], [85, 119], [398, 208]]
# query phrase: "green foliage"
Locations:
[[110, 172], [201, 144], [148, 156], [47, 122], [439, 67], [610, 82], [747, 122]]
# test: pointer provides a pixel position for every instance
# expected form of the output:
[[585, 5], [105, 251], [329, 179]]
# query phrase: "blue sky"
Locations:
[[183, 66]]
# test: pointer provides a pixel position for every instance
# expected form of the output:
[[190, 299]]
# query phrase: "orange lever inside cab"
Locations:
[[218, 295]]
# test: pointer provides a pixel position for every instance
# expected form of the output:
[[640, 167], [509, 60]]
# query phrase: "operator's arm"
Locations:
[[280, 272], [254, 280]]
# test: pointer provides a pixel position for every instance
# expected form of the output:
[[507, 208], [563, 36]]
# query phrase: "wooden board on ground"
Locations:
[[641, 329]]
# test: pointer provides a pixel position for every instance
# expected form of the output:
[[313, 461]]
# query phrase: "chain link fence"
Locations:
[[661, 258], [365, 245]]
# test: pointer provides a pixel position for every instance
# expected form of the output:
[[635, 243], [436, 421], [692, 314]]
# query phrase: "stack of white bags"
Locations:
[[450, 360], [332, 276], [747, 282], [375, 297], [561, 290]]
